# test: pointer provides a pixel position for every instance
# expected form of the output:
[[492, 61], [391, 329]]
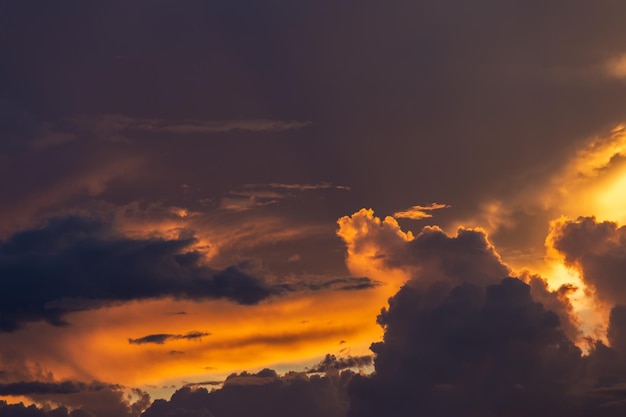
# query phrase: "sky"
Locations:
[[217, 208]]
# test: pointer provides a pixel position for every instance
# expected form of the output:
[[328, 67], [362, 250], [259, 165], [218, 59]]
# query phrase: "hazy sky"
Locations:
[[216, 200]]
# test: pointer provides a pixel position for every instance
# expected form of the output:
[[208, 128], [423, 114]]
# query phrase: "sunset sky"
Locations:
[[218, 208]]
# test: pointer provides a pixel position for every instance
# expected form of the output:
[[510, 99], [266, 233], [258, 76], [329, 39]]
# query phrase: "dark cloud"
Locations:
[[162, 338], [598, 249], [37, 387], [261, 394], [20, 410], [556, 301], [201, 383], [487, 351], [74, 264], [617, 328], [479, 351], [343, 284], [466, 257], [333, 363], [79, 400]]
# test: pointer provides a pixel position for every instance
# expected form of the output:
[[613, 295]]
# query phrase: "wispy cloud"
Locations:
[[299, 187], [251, 196], [419, 212], [244, 204], [162, 338], [111, 125], [201, 383]]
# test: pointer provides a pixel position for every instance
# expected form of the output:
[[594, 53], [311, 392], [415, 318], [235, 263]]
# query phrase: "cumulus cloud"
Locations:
[[162, 338], [463, 337], [74, 264], [597, 249], [79, 399], [476, 351], [14, 410], [376, 247], [261, 394]]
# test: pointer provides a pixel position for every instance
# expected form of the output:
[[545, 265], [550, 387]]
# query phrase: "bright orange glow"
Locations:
[[288, 332], [592, 183], [591, 315], [610, 199]]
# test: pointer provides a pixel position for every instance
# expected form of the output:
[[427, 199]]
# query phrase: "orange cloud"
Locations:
[[419, 212], [368, 239]]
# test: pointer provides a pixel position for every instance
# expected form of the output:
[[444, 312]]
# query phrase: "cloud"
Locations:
[[79, 399], [39, 387], [162, 338], [244, 204], [114, 126], [73, 264], [260, 195], [463, 337], [298, 187], [13, 410], [419, 212], [333, 363], [342, 284], [597, 249], [379, 248], [294, 258], [617, 328], [201, 383], [476, 350], [261, 394]]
